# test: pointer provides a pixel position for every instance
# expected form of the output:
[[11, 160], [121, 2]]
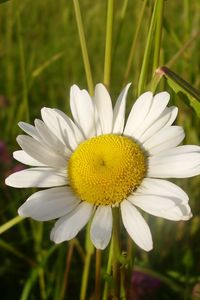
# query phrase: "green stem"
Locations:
[[89, 252], [108, 271], [85, 276], [83, 46], [10, 223], [98, 274], [67, 269], [185, 46], [158, 35], [122, 284], [133, 45], [108, 46], [116, 253], [8, 247], [145, 63], [122, 14], [23, 69]]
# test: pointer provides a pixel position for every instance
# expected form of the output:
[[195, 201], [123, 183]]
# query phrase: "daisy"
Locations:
[[97, 161]]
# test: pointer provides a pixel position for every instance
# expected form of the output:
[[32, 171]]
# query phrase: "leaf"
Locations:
[[189, 94]]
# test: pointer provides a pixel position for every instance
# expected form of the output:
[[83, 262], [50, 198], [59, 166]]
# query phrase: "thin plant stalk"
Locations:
[[37, 229], [83, 46], [158, 34], [67, 269], [23, 70], [108, 271], [84, 283], [8, 247], [184, 47], [98, 274], [122, 284], [10, 223], [116, 253], [89, 252], [108, 46], [122, 14], [134, 42], [148, 46]]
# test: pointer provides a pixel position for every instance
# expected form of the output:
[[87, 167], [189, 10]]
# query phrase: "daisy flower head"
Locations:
[[97, 161]]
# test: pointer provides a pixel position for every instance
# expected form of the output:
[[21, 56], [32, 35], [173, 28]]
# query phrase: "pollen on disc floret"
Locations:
[[104, 170]]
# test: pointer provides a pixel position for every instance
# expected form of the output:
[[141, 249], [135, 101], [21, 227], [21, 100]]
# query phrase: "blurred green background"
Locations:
[[40, 58]]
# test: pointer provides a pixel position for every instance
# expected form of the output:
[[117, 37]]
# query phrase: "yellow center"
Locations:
[[105, 169]]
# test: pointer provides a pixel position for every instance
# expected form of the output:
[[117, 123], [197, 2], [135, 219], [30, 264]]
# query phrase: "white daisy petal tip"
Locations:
[[99, 244], [164, 94], [20, 124], [21, 212], [101, 227], [136, 226], [10, 180]]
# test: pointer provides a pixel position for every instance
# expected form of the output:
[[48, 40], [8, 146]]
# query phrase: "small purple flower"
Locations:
[[142, 285]]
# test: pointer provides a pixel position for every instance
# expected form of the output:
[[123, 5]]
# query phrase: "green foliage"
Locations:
[[189, 94]]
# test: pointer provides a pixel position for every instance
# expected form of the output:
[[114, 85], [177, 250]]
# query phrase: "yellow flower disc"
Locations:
[[104, 170]]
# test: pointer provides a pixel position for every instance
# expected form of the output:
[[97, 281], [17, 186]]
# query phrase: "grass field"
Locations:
[[40, 58]]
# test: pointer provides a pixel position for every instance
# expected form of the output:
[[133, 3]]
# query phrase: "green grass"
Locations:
[[40, 57]]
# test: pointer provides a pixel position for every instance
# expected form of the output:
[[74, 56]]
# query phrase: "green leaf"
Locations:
[[189, 94]]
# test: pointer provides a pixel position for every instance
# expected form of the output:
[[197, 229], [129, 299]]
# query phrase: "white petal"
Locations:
[[29, 129], [166, 119], [97, 123], [76, 131], [49, 138], [59, 127], [179, 162], [119, 111], [138, 113], [174, 113], [166, 138], [104, 108], [36, 177], [136, 226], [160, 187], [49, 204], [169, 208], [159, 104], [26, 159], [41, 153], [82, 109], [177, 213], [67, 227], [101, 228]]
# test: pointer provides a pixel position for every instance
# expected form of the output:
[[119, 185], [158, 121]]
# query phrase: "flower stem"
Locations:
[[83, 46], [25, 108], [67, 269], [108, 46], [145, 63], [10, 223], [97, 274], [108, 271], [133, 45], [116, 253], [158, 35], [89, 251], [85, 276]]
